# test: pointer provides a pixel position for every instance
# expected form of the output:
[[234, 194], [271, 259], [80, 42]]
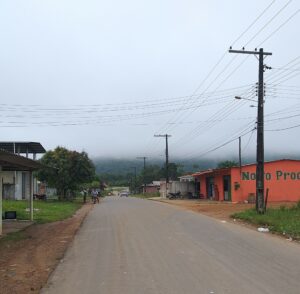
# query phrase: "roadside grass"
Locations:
[[44, 212], [146, 195], [283, 220]]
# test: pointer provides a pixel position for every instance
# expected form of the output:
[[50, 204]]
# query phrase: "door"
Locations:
[[210, 187], [227, 188], [8, 191]]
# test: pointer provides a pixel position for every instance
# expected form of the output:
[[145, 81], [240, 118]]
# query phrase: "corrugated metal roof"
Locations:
[[23, 147], [200, 173]]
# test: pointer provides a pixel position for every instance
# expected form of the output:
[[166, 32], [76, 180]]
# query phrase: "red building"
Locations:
[[282, 178]]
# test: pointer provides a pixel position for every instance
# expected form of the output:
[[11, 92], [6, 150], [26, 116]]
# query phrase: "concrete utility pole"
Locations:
[[134, 167], [167, 155], [260, 205], [144, 179]]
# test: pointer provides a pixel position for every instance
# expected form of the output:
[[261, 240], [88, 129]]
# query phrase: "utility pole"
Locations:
[[240, 153], [167, 155], [144, 179], [134, 167], [260, 205], [167, 160]]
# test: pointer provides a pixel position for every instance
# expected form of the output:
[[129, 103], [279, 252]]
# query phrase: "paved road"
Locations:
[[134, 246]]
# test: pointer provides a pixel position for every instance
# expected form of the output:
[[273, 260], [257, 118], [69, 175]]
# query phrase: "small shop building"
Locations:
[[238, 184]]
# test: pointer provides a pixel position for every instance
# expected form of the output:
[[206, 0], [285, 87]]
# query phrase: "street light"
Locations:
[[242, 98]]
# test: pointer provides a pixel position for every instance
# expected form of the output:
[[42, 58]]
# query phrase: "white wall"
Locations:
[[18, 185], [11, 177], [182, 187]]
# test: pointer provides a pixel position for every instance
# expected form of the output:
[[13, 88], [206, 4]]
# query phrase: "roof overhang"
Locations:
[[13, 162]]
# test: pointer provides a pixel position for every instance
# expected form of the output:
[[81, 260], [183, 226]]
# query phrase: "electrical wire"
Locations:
[[249, 140], [268, 22], [223, 56], [283, 129]]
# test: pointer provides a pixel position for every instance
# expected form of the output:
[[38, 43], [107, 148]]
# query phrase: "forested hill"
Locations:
[[119, 172], [124, 166]]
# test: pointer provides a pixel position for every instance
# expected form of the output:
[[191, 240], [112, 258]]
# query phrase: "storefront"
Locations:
[[282, 178]]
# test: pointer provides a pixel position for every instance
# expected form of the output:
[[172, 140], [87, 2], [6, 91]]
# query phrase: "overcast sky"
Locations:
[[105, 76]]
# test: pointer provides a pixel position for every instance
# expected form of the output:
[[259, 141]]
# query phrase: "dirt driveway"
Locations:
[[26, 264]]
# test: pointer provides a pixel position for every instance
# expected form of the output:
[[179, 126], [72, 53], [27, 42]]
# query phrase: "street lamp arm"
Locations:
[[242, 98]]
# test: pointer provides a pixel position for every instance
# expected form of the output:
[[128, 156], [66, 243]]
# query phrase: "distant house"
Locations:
[[16, 183], [282, 178], [151, 188]]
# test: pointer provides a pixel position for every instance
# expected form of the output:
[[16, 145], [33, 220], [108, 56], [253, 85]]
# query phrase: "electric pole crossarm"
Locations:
[[248, 52]]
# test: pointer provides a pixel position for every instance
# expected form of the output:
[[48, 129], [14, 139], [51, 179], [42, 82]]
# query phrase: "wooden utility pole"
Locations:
[[167, 155], [144, 178], [260, 205], [240, 153], [134, 167]]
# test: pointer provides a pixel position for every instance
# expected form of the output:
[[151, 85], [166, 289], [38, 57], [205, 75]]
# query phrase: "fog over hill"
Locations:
[[125, 165]]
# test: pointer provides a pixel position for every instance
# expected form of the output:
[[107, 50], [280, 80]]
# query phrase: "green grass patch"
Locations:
[[281, 220], [44, 212]]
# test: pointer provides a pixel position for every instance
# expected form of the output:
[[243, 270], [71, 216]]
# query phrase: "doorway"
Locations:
[[210, 192], [227, 188]]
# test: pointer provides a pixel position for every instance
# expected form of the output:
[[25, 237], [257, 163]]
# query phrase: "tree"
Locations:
[[175, 170], [227, 163], [66, 170]]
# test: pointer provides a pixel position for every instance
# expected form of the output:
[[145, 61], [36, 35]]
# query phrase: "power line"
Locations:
[[223, 56], [253, 23], [241, 130], [270, 20], [279, 27], [283, 129], [222, 145], [250, 137]]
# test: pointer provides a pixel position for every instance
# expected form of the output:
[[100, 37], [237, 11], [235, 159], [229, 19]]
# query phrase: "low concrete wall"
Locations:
[[183, 187]]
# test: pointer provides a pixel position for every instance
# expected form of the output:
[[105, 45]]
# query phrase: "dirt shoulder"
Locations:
[[26, 263], [219, 210]]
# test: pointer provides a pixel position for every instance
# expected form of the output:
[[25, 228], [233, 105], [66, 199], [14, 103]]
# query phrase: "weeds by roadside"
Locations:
[[283, 220]]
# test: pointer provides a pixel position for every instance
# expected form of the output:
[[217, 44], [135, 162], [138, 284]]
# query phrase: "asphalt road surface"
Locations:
[[134, 246]]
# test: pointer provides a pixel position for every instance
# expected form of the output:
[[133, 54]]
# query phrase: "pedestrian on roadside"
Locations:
[[94, 196]]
